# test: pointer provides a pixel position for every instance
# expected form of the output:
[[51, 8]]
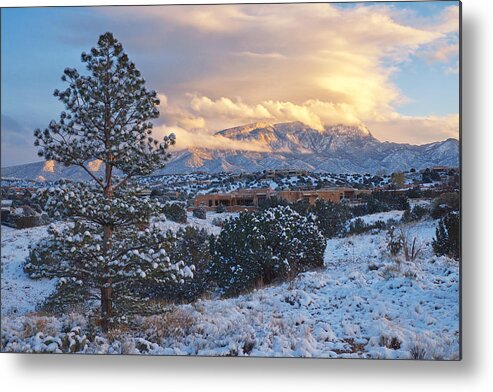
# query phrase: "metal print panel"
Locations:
[[265, 180]]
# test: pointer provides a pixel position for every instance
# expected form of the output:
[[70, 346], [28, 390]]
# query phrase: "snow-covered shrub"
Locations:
[[200, 213], [43, 334], [415, 214], [331, 218], [418, 352], [380, 202], [265, 246], [218, 222], [358, 226], [176, 322], [447, 238], [175, 212]]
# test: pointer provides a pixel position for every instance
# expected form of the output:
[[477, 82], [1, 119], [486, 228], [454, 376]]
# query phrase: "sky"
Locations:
[[392, 67]]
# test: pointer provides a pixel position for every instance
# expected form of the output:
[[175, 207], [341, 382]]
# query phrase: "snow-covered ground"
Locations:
[[361, 304], [20, 294]]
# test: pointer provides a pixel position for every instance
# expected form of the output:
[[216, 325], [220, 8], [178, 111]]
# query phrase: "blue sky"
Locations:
[[392, 67]]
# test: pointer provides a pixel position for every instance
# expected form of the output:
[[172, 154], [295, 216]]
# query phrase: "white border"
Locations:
[[90, 373]]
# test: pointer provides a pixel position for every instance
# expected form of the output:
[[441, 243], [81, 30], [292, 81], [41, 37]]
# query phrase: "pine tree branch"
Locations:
[[124, 181], [92, 175]]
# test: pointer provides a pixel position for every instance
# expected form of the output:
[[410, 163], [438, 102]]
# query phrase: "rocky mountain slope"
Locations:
[[337, 149]]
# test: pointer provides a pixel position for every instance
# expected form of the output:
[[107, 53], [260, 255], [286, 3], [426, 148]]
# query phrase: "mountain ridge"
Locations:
[[293, 145]]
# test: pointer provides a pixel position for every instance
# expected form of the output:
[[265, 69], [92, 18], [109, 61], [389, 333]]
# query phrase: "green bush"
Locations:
[[271, 202], [220, 209], [386, 201], [380, 202], [358, 226], [447, 239], [265, 246], [331, 218], [175, 212], [415, 214]]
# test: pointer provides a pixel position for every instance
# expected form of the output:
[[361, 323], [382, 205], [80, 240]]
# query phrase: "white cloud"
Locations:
[[196, 139]]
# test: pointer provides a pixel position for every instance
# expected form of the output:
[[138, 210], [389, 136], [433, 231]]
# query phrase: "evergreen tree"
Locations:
[[107, 118], [447, 238]]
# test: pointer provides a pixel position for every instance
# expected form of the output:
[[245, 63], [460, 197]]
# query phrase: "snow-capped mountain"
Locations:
[[336, 149]]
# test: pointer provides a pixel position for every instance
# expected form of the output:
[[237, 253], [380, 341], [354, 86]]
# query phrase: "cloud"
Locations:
[[446, 48], [17, 142], [196, 139], [449, 20], [271, 55], [203, 110], [314, 113], [453, 69], [321, 64], [416, 129], [219, 66], [444, 52]]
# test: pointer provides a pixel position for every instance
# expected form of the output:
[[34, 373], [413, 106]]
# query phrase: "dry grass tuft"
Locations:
[[175, 323]]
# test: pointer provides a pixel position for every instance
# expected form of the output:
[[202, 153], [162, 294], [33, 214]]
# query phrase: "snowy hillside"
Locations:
[[362, 304]]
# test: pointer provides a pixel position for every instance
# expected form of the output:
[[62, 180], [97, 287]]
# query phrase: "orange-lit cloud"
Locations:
[[315, 63], [417, 129]]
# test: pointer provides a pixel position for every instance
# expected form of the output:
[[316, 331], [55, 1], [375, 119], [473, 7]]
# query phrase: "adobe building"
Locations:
[[334, 195], [247, 199], [250, 199]]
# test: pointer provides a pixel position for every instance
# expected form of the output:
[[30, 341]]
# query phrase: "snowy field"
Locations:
[[20, 294], [362, 304]]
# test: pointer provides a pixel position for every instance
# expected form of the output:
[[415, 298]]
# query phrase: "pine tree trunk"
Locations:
[[106, 288]]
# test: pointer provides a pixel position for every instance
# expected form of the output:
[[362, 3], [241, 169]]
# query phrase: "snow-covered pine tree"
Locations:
[[106, 250]]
